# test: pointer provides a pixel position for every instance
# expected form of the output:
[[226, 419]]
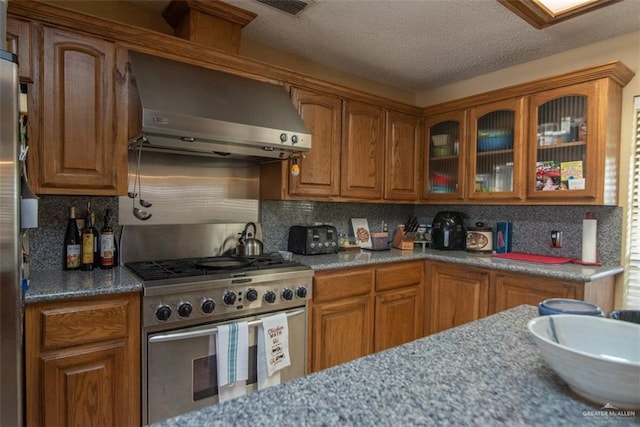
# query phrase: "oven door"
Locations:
[[181, 373]]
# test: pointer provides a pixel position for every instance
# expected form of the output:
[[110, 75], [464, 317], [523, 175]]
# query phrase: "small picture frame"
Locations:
[[361, 232]]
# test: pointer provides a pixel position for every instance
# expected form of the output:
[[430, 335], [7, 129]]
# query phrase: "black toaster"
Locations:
[[313, 239]]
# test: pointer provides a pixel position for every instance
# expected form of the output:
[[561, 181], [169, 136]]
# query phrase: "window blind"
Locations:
[[632, 294]]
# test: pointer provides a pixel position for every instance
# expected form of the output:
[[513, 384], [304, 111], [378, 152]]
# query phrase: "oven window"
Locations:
[[205, 374]]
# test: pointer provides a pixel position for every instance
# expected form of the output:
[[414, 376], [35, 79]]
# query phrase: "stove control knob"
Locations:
[[208, 306], [287, 294], [229, 298], [301, 292], [185, 309], [251, 294], [270, 297], [163, 312]]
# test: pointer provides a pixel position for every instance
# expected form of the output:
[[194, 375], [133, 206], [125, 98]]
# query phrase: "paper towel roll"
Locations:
[[589, 244]]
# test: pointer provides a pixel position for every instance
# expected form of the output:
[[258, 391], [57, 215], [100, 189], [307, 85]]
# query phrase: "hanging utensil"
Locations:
[[143, 203], [137, 212], [130, 191]]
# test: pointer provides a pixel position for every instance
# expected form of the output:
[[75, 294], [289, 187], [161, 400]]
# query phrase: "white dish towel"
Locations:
[[232, 350], [273, 349]]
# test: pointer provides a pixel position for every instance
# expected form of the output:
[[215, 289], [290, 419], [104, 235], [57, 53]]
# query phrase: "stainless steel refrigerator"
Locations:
[[11, 300]]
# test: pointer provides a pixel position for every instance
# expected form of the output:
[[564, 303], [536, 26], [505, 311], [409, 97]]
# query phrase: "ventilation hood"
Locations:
[[194, 110]]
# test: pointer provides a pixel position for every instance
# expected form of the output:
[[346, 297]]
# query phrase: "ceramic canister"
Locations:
[[479, 238]]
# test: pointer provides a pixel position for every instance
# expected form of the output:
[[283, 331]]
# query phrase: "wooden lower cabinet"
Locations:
[[356, 311], [341, 332], [458, 295], [399, 304], [516, 289], [83, 362]]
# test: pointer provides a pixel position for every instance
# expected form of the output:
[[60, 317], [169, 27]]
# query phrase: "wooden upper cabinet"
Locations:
[[82, 147], [444, 154], [320, 169], [568, 145], [496, 150], [19, 41], [362, 151], [402, 157]]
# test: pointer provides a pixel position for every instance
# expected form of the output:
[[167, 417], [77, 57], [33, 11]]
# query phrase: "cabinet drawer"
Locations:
[[342, 284], [68, 324], [399, 275]]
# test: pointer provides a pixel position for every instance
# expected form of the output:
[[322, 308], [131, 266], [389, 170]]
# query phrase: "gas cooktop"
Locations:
[[217, 267]]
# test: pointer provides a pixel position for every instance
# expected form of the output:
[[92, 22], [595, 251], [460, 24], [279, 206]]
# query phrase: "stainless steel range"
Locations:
[[186, 299], [183, 292]]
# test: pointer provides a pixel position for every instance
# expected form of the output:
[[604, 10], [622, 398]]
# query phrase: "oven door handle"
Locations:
[[204, 332]]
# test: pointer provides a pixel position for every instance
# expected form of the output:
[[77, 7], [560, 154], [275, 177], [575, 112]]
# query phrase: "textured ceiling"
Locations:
[[417, 45]]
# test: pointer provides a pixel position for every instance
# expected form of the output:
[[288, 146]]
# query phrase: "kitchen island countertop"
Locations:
[[488, 372], [356, 258]]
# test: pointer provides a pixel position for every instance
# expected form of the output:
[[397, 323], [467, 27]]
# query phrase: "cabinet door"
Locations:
[[445, 147], [19, 42], [514, 290], [82, 388], [496, 151], [564, 144], [402, 157], [399, 317], [81, 149], [362, 151], [341, 331], [320, 169], [458, 296], [82, 361]]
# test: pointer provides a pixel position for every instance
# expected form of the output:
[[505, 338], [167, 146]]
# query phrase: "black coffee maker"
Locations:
[[447, 231]]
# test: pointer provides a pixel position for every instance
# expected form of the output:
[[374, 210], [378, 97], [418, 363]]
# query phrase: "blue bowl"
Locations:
[[494, 140], [628, 315], [568, 306]]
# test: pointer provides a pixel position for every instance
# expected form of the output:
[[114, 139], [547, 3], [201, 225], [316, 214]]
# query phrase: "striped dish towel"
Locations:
[[232, 350]]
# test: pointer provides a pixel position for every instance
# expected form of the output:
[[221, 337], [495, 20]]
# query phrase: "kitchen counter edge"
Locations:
[[358, 258], [56, 284]]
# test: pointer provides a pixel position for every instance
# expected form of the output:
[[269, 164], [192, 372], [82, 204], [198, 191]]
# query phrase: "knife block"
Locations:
[[400, 241]]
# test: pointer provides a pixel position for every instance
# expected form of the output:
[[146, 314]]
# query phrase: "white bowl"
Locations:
[[598, 358]]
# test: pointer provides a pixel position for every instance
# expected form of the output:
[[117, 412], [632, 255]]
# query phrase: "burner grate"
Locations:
[[193, 267]]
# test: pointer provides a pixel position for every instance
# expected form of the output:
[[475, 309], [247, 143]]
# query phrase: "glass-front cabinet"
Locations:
[[444, 156], [496, 150], [563, 138]]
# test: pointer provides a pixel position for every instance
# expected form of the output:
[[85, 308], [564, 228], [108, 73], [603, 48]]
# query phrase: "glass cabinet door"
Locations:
[[444, 151], [562, 130], [496, 150]]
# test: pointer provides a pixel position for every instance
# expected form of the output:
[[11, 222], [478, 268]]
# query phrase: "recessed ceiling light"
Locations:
[[542, 13]]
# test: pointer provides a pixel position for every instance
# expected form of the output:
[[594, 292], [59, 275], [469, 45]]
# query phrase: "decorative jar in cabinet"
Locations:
[[444, 151], [496, 150]]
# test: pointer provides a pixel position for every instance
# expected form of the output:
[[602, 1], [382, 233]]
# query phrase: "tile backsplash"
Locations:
[[532, 225]]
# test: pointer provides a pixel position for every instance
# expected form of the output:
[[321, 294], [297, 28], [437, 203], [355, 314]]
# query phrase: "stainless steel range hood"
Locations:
[[194, 110]]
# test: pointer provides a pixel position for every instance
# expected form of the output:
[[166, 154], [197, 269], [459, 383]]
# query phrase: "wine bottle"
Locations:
[[107, 243], [96, 239], [72, 248], [87, 244]]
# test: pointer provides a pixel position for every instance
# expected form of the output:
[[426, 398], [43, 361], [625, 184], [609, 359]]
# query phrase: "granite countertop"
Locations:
[[57, 284], [356, 258], [487, 372]]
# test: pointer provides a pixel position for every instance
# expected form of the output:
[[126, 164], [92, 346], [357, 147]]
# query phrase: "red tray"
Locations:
[[541, 259]]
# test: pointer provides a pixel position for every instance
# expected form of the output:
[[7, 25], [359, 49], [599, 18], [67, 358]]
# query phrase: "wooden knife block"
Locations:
[[400, 241]]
